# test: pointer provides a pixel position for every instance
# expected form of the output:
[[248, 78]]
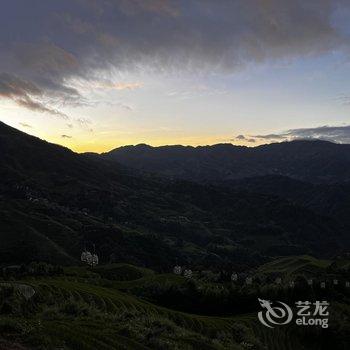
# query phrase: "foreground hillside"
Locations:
[[124, 307]]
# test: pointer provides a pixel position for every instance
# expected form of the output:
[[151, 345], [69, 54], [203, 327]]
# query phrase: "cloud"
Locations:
[[112, 104], [126, 107], [196, 91], [25, 94], [82, 40], [13, 87], [25, 125], [243, 138], [28, 103], [66, 136], [343, 99], [338, 134], [109, 85], [84, 124], [126, 86], [66, 37], [43, 58], [271, 136]]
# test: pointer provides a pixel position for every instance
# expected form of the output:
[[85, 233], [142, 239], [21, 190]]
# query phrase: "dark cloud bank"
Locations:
[[328, 133], [45, 45], [338, 134]]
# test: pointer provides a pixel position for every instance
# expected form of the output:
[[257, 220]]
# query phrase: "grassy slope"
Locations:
[[295, 264], [116, 310], [87, 333], [93, 334]]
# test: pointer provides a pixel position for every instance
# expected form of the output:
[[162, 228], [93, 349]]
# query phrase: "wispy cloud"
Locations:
[[125, 86], [196, 91], [125, 107], [25, 94], [271, 136], [85, 124], [242, 138], [25, 125], [66, 136], [343, 99], [37, 106]]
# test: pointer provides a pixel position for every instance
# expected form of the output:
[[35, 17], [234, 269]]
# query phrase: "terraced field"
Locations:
[[75, 311], [109, 300], [117, 307], [298, 264]]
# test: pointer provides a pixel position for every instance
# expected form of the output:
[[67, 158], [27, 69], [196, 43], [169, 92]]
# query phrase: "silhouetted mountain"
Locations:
[[313, 161], [52, 200]]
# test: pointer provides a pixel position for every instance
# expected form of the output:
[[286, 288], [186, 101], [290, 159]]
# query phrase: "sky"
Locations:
[[94, 75]]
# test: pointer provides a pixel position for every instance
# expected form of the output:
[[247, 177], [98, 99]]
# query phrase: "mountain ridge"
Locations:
[[220, 144], [312, 161]]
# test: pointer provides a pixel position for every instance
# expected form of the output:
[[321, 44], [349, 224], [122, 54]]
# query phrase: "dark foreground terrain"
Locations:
[[120, 306], [289, 221]]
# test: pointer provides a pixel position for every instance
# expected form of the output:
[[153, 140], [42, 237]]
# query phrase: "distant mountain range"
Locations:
[[53, 202], [312, 161], [314, 174]]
